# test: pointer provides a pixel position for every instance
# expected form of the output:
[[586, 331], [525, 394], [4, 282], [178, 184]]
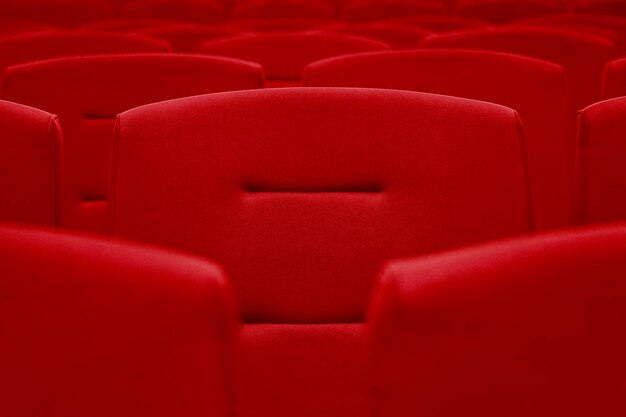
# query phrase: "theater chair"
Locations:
[[504, 11], [29, 165], [368, 11], [563, 47], [536, 89], [600, 176], [283, 9], [284, 55], [302, 194], [614, 79], [38, 46], [187, 38], [96, 328], [396, 35], [57, 12], [87, 93], [529, 327], [197, 11]]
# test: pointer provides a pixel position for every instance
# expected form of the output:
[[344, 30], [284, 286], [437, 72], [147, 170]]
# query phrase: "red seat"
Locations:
[[130, 24], [367, 10], [88, 92], [302, 194], [536, 89], [607, 7], [529, 327], [57, 12], [443, 23], [199, 11], [29, 165], [501, 11], [284, 9], [560, 46], [614, 80], [38, 46], [600, 176], [284, 55], [188, 37], [396, 35], [612, 23], [281, 25], [95, 328]]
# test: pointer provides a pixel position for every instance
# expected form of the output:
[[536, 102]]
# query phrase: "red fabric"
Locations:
[[187, 38], [608, 7], [614, 79], [284, 55], [531, 327], [501, 11], [600, 176], [302, 370], [440, 23], [284, 9], [562, 47], [367, 11], [613, 23], [536, 89], [302, 200], [201, 11], [281, 25], [93, 328], [130, 24], [396, 35], [88, 92], [30, 47], [57, 12], [29, 165]]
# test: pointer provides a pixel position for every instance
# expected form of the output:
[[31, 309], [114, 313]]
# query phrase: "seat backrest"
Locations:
[[609, 22], [302, 193], [519, 328], [502, 11], [606, 7], [284, 55], [396, 35], [87, 93], [601, 150], [96, 328], [614, 79], [29, 165], [443, 23], [200, 11], [58, 12], [188, 37], [537, 90], [283, 9], [367, 11], [560, 46], [19, 49]]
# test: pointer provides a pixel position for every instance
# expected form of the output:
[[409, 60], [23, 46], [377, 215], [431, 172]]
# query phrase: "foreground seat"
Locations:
[[518, 328], [87, 93], [284, 55], [95, 328], [536, 89], [600, 176], [302, 194], [19, 49], [560, 46], [29, 165]]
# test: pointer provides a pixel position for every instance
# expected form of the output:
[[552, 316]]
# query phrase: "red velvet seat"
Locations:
[[88, 92], [614, 79], [284, 55], [600, 175], [188, 37], [38, 46], [29, 165], [284, 9], [396, 35], [536, 89], [444, 23], [530, 327], [198, 11], [367, 10], [560, 46], [281, 25], [502, 11], [130, 24], [613, 23], [607, 7], [95, 328], [57, 12], [301, 194]]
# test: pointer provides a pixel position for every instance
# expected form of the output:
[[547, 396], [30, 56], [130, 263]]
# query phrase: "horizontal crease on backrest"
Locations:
[[255, 188], [98, 116]]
